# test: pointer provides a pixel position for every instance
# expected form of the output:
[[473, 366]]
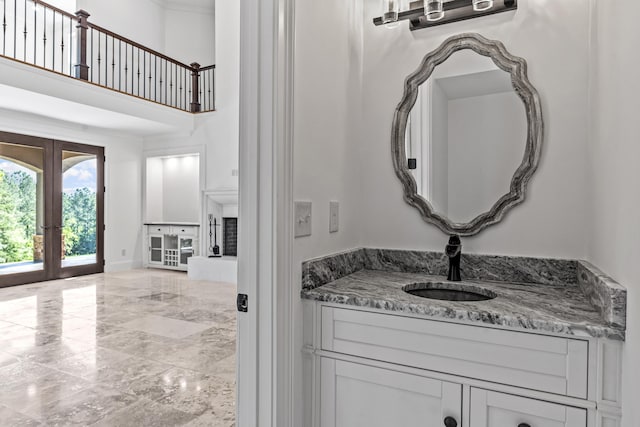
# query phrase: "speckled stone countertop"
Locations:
[[564, 306]]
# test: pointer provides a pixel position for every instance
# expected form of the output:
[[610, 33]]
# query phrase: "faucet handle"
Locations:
[[454, 247]]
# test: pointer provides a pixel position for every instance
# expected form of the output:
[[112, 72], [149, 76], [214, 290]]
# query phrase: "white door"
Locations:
[[354, 395], [492, 409]]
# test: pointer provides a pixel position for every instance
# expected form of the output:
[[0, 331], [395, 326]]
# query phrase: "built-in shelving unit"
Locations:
[[171, 245]]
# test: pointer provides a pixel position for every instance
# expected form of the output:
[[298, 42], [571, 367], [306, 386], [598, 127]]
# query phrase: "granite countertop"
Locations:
[[564, 307]]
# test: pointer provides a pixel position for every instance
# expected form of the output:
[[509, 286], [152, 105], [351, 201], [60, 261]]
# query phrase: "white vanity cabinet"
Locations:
[[354, 394], [493, 409], [170, 245], [373, 368]]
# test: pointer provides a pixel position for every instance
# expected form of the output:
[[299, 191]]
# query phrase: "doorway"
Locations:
[[51, 209]]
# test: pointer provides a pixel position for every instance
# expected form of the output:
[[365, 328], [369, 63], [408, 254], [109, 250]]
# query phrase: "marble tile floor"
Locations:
[[137, 348]]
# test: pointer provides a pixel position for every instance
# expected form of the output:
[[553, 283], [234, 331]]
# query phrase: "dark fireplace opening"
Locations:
[[230, 236]]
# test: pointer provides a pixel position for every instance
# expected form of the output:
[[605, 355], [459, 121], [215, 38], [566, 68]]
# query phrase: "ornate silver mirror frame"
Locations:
[[514, 65]]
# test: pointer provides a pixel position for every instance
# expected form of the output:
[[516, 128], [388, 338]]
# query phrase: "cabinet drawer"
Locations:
[[159, 229], [549, 364], [190, 230], [490, 409]]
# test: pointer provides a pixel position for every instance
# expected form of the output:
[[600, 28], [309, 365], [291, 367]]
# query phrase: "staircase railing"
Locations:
[[47, 37]]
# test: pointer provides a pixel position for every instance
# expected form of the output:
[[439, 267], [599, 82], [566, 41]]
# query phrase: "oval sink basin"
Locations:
[[449, 291]]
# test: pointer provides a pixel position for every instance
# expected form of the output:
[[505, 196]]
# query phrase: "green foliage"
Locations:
[[18, 219], [14, 244], [79, 213]]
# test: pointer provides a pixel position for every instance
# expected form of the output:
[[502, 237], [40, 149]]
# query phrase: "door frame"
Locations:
[[59, 272], [53, 185], [266, 356], [46, 145]]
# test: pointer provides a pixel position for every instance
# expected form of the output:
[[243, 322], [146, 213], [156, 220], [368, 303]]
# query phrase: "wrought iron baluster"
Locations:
[[91, 60], [113, 62], [170, 84], [4, 27], [15, 27], [99, 59], [138, 72], [25, 32], [44, 37], [62, 61], [150, 88], [71, 46], [106, 59], [53, 42], [35, 32], [132, 71]]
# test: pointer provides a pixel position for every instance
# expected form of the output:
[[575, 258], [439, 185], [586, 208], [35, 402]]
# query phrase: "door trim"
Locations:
[[266, 355], [46, 145], [58, 271]]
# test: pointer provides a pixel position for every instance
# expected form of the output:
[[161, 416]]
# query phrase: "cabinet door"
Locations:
[[155, 249], [492, 409], [187, 249], [354, 395]]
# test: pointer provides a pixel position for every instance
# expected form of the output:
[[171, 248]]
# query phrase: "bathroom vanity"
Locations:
[[543, 354], [506, 341]]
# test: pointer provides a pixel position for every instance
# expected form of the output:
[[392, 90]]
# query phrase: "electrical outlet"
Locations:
[[334, 217], [302, 219]]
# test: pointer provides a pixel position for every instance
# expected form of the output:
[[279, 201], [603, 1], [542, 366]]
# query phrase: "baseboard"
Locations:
[[112, 267]]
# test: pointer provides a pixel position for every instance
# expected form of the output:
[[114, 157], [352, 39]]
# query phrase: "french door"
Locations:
[[51, 209]]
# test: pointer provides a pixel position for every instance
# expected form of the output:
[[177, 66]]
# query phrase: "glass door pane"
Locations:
[[22, 209], [79, 240], [186, 250]]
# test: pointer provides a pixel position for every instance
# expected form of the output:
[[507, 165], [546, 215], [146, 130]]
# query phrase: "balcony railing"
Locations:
[[47, 37]]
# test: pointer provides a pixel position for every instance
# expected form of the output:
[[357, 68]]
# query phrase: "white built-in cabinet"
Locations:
[[371, 368], [170, 245]]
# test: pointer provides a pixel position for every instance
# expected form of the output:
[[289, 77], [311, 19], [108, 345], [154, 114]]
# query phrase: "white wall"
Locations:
[[141, 20], [327, 105], [551, 36], [582, 203], [189, 35], [614, 152], [154, 190], [181, 189], [123, 179], [183, 32], [218, 131]]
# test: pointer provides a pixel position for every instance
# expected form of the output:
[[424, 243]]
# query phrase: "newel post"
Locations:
[[195, 87], [81, 66]]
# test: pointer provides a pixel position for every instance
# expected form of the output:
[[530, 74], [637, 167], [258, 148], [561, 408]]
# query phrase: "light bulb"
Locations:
[[481, 5], [434, 10], [390, 12]]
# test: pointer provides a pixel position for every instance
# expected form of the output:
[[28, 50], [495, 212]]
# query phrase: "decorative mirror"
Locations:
[[467, 134]]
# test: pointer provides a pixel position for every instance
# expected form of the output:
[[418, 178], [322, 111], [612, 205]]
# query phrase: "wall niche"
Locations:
[[172, 189]]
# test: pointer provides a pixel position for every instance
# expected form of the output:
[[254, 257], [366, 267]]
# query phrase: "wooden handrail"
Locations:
[[138, 46]]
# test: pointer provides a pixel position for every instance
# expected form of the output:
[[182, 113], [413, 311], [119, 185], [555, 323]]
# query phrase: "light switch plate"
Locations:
[[302, 219], [334, 217]]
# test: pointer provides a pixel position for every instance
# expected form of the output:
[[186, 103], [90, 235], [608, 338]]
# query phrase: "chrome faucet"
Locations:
[[454, 251]]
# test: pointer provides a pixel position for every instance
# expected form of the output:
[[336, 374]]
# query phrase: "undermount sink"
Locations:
[[448, 291]]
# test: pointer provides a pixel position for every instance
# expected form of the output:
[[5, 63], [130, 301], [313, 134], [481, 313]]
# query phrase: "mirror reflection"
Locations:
[[466, 136]]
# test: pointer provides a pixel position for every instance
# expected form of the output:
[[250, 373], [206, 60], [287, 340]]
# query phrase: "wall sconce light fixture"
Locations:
[[429, 13], [434, 10]]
